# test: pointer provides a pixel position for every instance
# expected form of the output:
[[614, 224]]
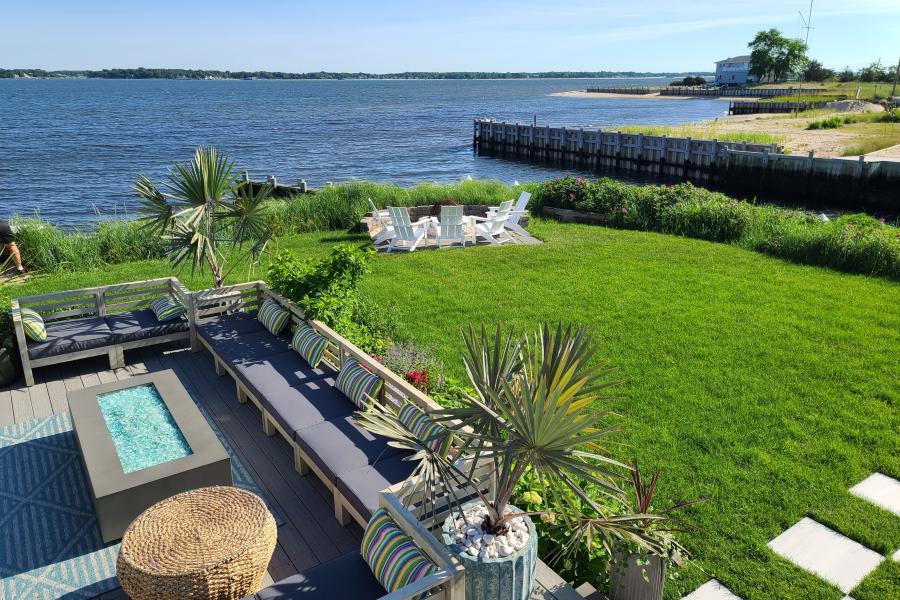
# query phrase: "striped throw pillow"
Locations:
[[357, 383], [418, 424], [34, 326], [273, 317], [167, 308], [393, 557], [309, 344]]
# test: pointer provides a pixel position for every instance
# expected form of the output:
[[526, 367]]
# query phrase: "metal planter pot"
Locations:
[[8, 370], [507, 578], [627, 579]]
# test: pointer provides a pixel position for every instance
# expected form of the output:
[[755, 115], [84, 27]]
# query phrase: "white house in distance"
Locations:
[[735, 71]]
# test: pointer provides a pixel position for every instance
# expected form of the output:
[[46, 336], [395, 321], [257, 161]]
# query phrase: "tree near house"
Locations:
[[774, 56], [814, 71]]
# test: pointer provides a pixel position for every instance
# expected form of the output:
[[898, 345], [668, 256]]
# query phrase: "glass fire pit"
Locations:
[[143, 440]]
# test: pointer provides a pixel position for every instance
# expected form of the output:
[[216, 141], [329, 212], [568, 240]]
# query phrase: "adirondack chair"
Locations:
[[450, 227], [493, 227], [407, 235], [512, 222], [382, 218]]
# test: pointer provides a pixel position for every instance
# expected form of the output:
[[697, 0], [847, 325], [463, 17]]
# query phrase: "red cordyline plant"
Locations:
[[535, 412]]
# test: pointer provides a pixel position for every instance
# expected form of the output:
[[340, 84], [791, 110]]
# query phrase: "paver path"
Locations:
[[880, 490], [712, 590]]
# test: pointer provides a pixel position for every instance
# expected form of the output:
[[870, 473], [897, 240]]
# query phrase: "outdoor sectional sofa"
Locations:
[[99, 321], [300, 402]]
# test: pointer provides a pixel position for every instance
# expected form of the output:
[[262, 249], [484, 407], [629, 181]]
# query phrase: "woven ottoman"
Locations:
[[207, 543]]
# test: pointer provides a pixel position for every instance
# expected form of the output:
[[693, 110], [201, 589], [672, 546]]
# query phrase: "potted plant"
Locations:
[[535, 412], [639, 573]]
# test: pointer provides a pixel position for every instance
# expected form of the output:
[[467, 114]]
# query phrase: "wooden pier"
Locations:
[[753, 169]]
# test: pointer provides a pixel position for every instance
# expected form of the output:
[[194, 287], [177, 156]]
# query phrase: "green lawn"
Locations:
[[768, 387]]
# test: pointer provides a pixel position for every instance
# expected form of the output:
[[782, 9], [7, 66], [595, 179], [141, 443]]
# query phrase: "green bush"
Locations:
[[326, 290], [855, 243]]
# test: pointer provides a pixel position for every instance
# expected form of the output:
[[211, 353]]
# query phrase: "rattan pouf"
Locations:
[[213, 542]]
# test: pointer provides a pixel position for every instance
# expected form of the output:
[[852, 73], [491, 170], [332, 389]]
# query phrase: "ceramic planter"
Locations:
[[506, 578], [8, 370], [627, 579]]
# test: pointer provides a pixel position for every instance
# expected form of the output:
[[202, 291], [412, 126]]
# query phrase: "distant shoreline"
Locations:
[[206, 75]]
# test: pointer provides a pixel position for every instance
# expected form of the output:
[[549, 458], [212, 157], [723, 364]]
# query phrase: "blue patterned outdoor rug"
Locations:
[[50, 545]]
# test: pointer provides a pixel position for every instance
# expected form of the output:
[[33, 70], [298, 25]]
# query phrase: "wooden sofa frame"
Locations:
[[248, 296], [97, 302]]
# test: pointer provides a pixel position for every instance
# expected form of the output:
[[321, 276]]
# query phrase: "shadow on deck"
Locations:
[[310, 534]]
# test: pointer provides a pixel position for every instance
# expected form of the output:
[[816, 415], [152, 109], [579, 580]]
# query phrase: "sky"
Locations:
[[448, 35]]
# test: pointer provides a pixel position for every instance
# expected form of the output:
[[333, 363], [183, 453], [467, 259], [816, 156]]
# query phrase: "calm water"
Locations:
[[68, 146]]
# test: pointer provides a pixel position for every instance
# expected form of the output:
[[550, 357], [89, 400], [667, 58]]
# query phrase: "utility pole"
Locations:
[[896, 77], [807, 22]]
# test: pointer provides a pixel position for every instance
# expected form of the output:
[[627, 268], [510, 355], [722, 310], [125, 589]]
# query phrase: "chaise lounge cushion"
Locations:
[[228, 326], [73, 335], [340, 445], [264, 376], [306, 404], [142, 324], [347, 577], [361, 486], [250, 347]]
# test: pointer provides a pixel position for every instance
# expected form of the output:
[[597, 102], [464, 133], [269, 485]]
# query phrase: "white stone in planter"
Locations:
[[712, 590], [830, 555], [880, 490], [468, 532]]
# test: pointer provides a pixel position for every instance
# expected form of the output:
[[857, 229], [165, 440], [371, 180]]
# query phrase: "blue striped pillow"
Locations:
[[426, 431], [273, 317], [393, 557], [309, 344], [357, 383], [33, 324], [167, 308]]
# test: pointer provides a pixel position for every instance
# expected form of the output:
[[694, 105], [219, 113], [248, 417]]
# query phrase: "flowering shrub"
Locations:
[[419, 379]]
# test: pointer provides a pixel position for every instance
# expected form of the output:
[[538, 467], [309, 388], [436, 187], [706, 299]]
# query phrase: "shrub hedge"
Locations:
[[854, 243]]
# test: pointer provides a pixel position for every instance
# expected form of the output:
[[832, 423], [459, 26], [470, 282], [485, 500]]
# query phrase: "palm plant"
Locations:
[[536, 413], [204, 213]]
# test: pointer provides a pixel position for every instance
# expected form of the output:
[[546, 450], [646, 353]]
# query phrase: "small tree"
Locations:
[[205, 215], [775, 56], [814, 71]]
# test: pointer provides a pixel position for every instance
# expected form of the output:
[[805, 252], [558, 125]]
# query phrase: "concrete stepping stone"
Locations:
[[880, 490], [896, 556], [830, 555], [711, 590]]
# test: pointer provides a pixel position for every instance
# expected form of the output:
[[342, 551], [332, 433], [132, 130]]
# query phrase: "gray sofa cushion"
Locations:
[[73, 335], [142, 324], [227, 326], [347, 577], [266, 376], [339, 446], [306, 404], [361, 486], [250, 348]]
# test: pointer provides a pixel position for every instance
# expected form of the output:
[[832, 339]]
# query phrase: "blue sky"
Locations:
[[392, 35]]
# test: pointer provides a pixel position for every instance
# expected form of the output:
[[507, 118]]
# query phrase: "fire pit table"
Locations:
[[143, 440]]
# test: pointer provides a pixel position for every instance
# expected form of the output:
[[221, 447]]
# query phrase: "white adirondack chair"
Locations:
[[407, 235], [512, 222], [493, 227], [450, 227], [382, 218]]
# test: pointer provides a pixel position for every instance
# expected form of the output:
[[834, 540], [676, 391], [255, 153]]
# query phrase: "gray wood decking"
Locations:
[[310, 534]]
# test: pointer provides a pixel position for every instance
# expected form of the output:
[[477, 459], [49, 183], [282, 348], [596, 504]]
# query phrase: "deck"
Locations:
[[310, 534]]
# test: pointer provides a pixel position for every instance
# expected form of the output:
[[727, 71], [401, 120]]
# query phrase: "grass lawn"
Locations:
[[767, 387]]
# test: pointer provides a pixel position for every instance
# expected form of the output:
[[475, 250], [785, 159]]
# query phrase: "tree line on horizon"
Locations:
[[145, 73]]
